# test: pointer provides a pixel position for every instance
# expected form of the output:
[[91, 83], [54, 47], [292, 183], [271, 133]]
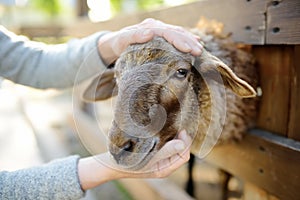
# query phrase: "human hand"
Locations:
[[112, 44], [170, 157], [93, 171]]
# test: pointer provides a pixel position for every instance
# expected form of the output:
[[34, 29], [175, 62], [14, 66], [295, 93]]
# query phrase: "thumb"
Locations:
[[172, 148]]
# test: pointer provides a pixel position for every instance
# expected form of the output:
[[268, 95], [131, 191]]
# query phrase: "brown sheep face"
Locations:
[[152, 84], [158, 95]]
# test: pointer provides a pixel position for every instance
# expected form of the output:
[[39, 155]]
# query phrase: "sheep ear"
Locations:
[[212, 67], [101, 88]]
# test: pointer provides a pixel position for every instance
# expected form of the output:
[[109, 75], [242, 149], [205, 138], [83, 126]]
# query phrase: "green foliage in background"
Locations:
[[142, 4], [116, 5], [51, 7], [148, 4]]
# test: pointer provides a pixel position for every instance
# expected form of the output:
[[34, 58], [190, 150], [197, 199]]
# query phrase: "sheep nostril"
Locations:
[[116, 157], [122, 151]]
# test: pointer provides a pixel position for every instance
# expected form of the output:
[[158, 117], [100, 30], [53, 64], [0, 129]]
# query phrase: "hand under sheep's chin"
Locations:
[[153, 161], [108, 160]]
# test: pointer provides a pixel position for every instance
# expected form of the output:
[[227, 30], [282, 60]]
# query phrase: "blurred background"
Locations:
[[16, 13], [38, 126]]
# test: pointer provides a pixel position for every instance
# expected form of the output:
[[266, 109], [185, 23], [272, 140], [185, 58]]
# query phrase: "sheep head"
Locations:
[[159, 93]]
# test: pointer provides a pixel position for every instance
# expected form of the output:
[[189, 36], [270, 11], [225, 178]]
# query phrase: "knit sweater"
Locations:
[[46, 66], [55, 180], [43, 66]]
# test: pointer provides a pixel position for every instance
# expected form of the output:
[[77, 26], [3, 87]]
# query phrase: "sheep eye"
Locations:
[[181, 73]]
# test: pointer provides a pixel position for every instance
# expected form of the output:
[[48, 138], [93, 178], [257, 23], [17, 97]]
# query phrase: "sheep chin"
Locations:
[[136, 161]]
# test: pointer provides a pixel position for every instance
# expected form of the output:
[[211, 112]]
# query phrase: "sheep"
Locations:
[[161, 90]]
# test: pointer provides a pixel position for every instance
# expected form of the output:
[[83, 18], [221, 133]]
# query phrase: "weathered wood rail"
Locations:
[[264, 159], [249, 21]]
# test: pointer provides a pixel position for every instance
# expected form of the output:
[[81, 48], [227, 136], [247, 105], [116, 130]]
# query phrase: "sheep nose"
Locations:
[[123, 151]]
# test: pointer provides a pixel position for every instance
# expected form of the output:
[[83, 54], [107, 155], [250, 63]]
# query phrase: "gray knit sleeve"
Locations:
[[55, 180], [48, 66]]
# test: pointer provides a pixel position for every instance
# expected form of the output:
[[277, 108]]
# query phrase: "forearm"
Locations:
[[105, 48], [48, 66], [96, 170]]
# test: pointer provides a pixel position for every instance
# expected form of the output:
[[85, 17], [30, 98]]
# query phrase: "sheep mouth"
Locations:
[[145, 157], [152, 148]]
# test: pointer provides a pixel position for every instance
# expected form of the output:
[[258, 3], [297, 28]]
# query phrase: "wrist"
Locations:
[[93, 172], [105, 48]]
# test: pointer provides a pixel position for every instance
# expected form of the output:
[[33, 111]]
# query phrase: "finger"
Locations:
[[156, 24], [182, 41], [127, 37], [183, 135], [169, 149], [166, 167], [173, 147], [192, 46], [149, 22], [162, 166], [179, 159], [144, 32]]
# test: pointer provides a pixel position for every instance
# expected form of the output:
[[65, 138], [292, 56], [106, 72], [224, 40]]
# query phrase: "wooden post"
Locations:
[[82, 8], [294, 117], [274, 64], [283, 22]]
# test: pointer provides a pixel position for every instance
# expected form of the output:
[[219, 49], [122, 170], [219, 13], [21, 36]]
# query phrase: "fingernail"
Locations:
[[187, 47], [197, 37], [184, 133], [197, 51], [179, 146]]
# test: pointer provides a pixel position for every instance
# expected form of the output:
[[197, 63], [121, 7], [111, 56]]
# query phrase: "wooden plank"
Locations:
[[266, 160], [251, 192], [168, 190], [88, 132], [274, 64], [139, 189], [50, 141], [294, 125], [249, 21], [283, 22], [158, 189], [245, 19], [42, 31]]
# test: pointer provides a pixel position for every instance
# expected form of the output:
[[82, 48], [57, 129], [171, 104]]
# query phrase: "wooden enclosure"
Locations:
[[268, 159]]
